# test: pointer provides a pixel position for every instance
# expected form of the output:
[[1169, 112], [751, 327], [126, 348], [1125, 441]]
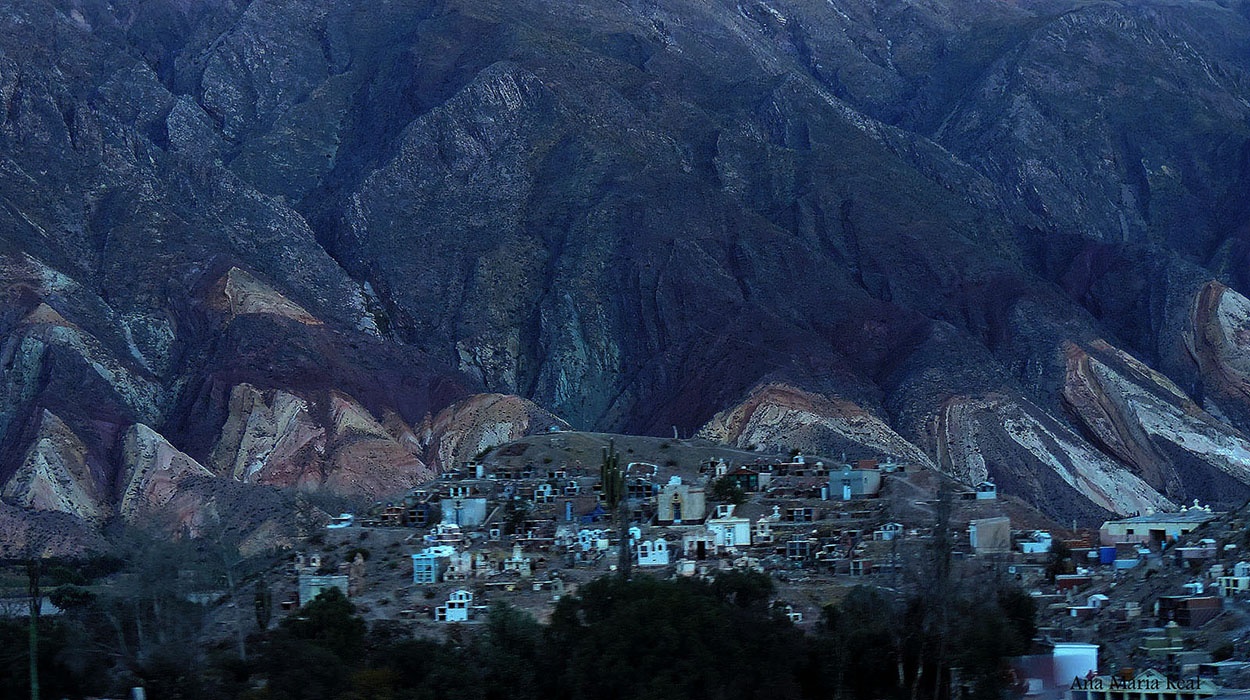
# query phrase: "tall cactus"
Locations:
[[611, 476], [613, 480]]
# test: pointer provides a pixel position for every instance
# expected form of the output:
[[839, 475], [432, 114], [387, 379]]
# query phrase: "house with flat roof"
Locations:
[[990, 535], [1154, 528], [861, 481], [730, 530]]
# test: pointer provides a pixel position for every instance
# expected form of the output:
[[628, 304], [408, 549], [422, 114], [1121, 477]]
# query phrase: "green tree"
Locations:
[[70, 597], [510, 655], [643, 638], [1020, 610], [861, 645], [1060, 561], [727, 490], [330, 622], [743, 589]]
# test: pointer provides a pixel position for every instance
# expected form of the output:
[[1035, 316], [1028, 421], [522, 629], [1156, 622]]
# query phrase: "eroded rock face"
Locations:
[[47, 534], [480, 422], [365, 457], [1218, 338], [54, 475], [258, 518], [138, 390], [777, 418], [154, 472], [632, 215], [242, 293], [1026, 452], [268, 435], [1145, 420], [276, 438]]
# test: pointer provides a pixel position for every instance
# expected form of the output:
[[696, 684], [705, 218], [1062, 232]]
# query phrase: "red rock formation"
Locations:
[[281, 439], [1219, 341], [1012, 441]]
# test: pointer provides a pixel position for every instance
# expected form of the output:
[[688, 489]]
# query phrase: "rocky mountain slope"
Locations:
[[344, 244]]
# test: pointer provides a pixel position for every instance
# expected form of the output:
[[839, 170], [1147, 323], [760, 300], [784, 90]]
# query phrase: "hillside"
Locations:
[[346, 245]]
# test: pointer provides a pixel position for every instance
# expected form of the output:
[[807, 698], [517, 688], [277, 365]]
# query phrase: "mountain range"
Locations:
[[343, 245]]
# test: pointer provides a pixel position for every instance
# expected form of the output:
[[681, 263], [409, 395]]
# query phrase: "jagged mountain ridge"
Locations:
[[1009, 235]]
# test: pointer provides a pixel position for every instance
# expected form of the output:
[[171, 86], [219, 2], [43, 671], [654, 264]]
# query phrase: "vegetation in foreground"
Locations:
[[638, 638]]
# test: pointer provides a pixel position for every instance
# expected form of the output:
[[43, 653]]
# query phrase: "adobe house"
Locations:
[[801, 514], [987, 491], [519, 563], [544, 493], [801, 548], [1188, 611], [394, 515], [990, 535], [1239, 582], [680, 504], [420, 509], [746, 479], [463, 566], [445, 535], [888, 532], [764, 526], [698, 544], [1071, 582], [1037, 543], [639, 488], [464, 511], [428, 565], [592, 539]]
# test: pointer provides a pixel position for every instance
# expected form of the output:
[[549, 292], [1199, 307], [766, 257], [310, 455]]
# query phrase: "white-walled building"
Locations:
[[456, 609], [729, 530], [653, 552]]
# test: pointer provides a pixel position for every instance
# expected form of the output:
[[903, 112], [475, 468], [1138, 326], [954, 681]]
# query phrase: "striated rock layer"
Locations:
[[1145, 420], [1032, 454], [155, 472], [475, 424], [1218, 340], [277, 438], [54, 475], [777, 418]]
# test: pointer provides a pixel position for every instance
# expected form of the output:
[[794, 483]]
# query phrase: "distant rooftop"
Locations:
[[1193, 515]]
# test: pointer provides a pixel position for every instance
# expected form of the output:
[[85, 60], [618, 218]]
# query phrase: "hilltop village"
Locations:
[[1148, 598]]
